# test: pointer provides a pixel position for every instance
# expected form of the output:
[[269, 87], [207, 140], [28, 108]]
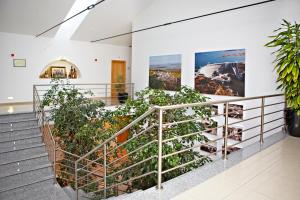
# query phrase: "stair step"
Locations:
[[19, 134], [70, 192], [22, 178], [16, 116], [11, 156], [60, 193], [127, 196], [44, 192], [23, 165], [18, 125], [39, 189], [10, 145]]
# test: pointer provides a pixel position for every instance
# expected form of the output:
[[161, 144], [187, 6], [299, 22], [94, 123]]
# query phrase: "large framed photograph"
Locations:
[[209, 148], [220, 72], [165, 72], [58, 72], [234, 133], [19, 62], [210, 126], [234, 111]]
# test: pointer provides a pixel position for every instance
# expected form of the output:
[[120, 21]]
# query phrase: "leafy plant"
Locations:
[[77, 118], [287, 62], [146, 99]]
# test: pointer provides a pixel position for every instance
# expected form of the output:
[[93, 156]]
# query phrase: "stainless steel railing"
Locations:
[[261, 116], [63, 162], [110, 93]]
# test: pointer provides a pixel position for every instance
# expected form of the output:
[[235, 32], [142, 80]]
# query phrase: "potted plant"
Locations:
[[287, 66], [120, 88]]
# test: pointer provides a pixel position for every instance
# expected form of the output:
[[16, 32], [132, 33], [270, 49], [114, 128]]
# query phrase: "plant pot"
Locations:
[[122, 96], [292, 122], [123, 137]]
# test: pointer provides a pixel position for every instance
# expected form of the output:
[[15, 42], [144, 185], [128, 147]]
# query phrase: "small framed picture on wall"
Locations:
[[58, 72], [19, 62]]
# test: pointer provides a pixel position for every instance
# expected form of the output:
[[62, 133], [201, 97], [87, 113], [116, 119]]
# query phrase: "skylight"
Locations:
[[67, 29]]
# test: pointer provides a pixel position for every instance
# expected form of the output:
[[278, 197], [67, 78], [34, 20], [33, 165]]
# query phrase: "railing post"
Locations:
[[262, 119], [106, 95], [33, 99], [132, 90], [159, 167], [76, 177], [54, 162], [43, 119], [226, 131], [285, 117], [104, 170]]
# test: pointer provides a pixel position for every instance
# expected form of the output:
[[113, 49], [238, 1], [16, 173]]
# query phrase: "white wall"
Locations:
[[241, 29], [38, 52], [246, 28]]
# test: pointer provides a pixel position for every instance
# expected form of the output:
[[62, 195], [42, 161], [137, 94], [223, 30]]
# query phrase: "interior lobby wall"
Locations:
[[246, 28], [39, 52]]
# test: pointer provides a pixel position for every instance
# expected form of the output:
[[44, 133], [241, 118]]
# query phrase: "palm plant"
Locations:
[[287, 63]]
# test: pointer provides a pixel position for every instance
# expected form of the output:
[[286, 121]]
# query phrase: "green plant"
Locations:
[[287, 62], [146, 99], [77, 118]]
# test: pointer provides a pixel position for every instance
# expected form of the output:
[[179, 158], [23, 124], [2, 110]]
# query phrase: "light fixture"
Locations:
[[10, 98]]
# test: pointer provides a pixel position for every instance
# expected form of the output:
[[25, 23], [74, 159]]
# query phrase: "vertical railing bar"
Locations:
[[33, 99], [159, 167], [104, 170], [106, 95], [262, 120], [76, 177], [132, 90], [54, 162], [226, 131], [285, 116]]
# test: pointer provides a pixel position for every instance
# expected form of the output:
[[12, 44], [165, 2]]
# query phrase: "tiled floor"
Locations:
[[272, 174]]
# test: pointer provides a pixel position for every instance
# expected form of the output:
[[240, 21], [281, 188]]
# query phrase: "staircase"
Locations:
[[25, 170]]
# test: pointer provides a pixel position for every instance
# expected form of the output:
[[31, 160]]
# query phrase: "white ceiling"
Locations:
[[109, 18], [31, 17]]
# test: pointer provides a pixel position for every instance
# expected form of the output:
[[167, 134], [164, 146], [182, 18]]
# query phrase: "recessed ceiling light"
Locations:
[[10, 98]]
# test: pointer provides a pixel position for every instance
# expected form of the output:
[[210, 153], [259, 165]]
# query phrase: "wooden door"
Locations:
[[118, 75]]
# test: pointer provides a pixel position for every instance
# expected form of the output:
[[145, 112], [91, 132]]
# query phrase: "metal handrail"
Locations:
[[44, 124], [150, 111], [86, 84], [215, 102], [107, 92], [162, 125]]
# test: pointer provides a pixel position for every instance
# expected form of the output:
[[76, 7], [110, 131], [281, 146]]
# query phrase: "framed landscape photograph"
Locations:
[[214, 110], [235, 111], [58, 72], [19, 62], [209, 148], [234, 133], [210, 126], [165, 72], [220, 72]]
